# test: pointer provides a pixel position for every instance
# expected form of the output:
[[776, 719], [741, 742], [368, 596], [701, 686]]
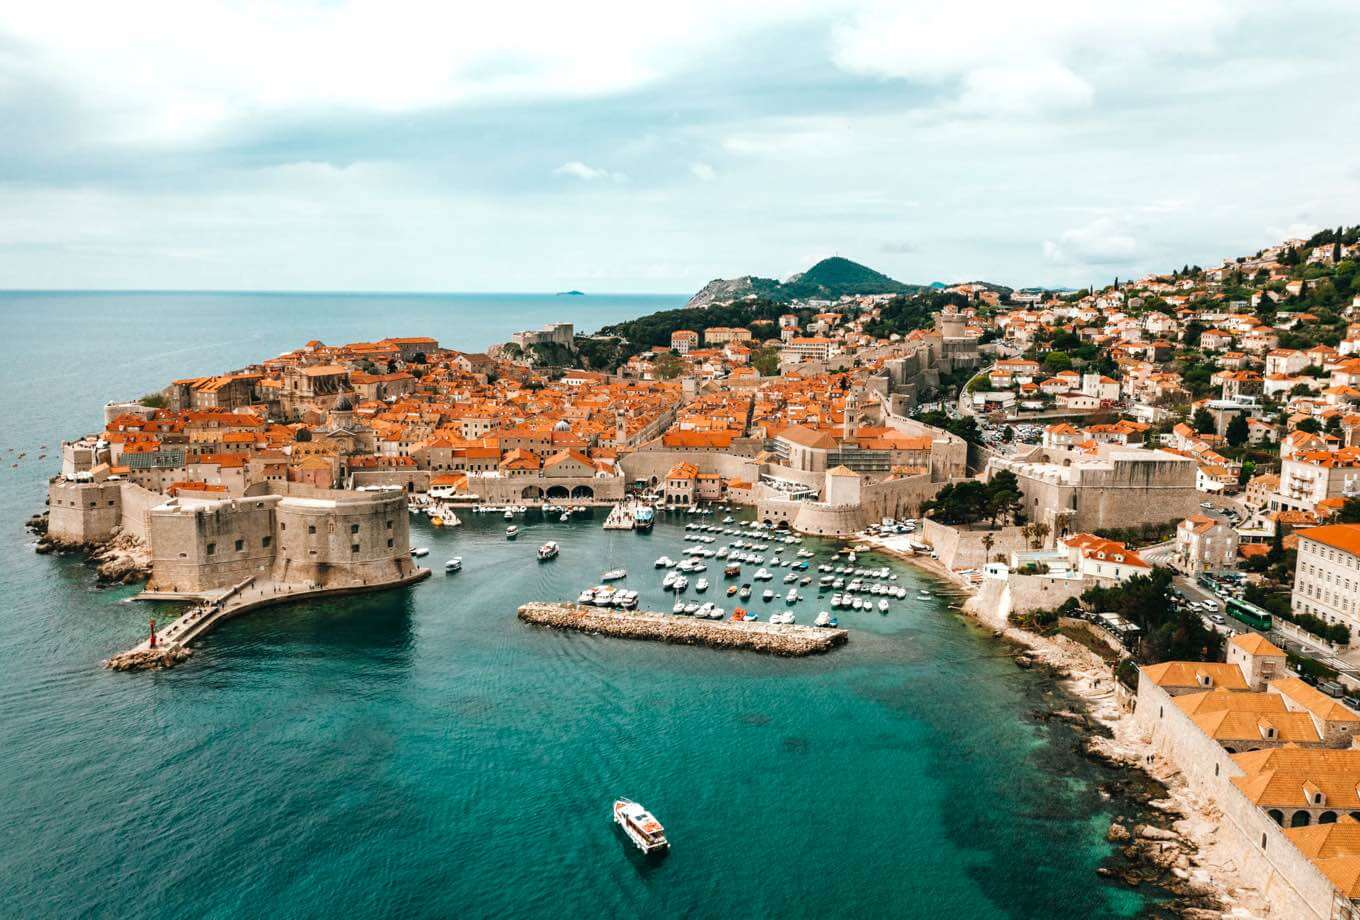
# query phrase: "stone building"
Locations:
[[1327, 575], [1075, 490], [1205, 544], [323, 538]]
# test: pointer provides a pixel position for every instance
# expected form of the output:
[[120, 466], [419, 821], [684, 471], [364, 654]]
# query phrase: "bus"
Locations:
[[1250, 614]]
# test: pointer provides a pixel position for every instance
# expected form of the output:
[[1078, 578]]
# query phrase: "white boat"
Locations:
[[566, 516], [665, 562], [547, 551], [823, 619], [882, 606], [792, 596], [837, 600], [454, 565], [692, 608], [767, 596], [762, 574], [641, 827], [681, 583], [420, 551], [701, 584], [614, 575], [509, 515], [511, 532], [586, 597], [679, 608]]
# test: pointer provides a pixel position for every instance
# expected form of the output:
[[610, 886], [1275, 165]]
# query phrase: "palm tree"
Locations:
[[988, 541]]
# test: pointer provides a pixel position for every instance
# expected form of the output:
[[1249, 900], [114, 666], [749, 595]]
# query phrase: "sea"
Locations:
[[422, 753]]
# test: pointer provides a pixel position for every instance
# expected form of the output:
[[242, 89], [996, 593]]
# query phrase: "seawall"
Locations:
[[791, 640]]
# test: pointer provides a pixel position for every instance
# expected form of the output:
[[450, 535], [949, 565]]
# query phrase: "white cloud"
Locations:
[[578, 170], [1007, 57], [1103, 241], [703, 171]]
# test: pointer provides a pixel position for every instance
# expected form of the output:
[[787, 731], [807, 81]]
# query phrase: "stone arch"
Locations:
[[583, 492], [1301, 818], [558, 492], [1327, 817], [531, 492], [1277, 816], [1230, 750]]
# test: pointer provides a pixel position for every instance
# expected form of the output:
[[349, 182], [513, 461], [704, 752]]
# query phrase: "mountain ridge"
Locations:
[[829, 279]]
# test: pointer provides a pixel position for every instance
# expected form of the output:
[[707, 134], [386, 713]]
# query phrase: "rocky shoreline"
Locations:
[[792, 640], [120, 560], [1167, 838]]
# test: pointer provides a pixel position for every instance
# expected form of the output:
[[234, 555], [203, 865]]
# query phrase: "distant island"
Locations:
[[829, 279], [571, 293]]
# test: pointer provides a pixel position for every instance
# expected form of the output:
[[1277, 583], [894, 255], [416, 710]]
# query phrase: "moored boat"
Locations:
[[614, 575], [454, 565]]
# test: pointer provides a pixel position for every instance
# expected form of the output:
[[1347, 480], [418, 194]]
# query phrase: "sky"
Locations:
[[383, 145]]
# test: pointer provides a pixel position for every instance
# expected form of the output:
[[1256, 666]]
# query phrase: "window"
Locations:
[[353, 528], [311, 528], [389, 543], [265, 541], [212, 548], [389, 525], [354, 547], [240, 545]]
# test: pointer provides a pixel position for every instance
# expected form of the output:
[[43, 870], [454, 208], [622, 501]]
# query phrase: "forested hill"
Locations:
[[829, 279]]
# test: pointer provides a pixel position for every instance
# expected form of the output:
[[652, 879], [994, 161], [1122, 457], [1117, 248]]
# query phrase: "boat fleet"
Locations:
[[852, 585]]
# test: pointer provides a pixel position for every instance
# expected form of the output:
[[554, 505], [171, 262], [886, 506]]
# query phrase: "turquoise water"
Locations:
[[421, 753]]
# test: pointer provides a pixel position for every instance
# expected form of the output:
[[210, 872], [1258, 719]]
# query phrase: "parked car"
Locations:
[[1331, 688]]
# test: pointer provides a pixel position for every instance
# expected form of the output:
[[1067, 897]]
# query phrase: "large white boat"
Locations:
[[641, 827], [614, 575], [454, 565], [547, 551]]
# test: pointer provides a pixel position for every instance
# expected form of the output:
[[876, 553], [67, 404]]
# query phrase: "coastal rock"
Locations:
[[148, 659], [1117, 832], [1148, 832]]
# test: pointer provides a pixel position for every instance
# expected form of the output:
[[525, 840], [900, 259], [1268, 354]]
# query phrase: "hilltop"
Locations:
[[829, 279]]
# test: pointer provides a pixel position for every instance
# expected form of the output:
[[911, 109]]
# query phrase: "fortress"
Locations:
[[279, 533]]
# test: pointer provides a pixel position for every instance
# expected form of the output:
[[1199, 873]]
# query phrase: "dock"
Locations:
[[790, 640], [172, 642], [620, 517]]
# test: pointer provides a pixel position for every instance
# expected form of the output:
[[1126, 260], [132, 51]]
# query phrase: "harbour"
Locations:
[[388, 730]]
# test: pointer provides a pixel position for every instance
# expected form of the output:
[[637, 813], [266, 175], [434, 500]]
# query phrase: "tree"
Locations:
[[1350, 511], [1057, 361], [988, 541], [153, 401], [766, 362], [1203, 421], [1310, 425], [1237, 431]]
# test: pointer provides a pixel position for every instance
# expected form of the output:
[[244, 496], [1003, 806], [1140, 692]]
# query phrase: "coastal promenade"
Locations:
[[173, 641], [791, 640]]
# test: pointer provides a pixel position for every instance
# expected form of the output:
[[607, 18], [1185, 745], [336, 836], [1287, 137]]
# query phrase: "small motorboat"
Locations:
[[640, 826], [745, 592], [767, 596], [665, 562], [511, 532], [586, 597], [614, 575], [454, 565], [420, 551], [547, 551], [679, 608], [823, 619], [509, 515], [701, 585], [731, 590], [883, 606]]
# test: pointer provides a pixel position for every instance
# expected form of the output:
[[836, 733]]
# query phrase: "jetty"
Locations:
[[790, 640], [171, 645], [620, 517]]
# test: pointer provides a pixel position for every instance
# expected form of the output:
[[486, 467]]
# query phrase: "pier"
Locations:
[[172, 643], [620, 517], [790, 640]]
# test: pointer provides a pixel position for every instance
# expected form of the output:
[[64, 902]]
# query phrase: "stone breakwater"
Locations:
[[791, 640]]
